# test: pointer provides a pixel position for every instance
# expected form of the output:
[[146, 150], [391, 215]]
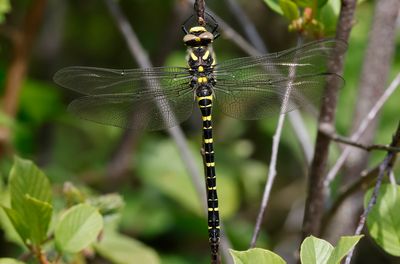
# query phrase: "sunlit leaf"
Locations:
[[10, 261], [274, 5], [78, 227], [315, 251], [256, 255], [120, 249], [345, 244], [290, 9], [384, 219], [27, 179]]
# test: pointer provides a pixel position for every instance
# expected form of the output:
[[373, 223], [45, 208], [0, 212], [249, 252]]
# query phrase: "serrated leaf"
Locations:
[[10, 261], [256, 255], [120, 249], [315, 251], [10, 232], [290, 9], [383, 221], [26, 179], [78, 228], [345, 244], [274, 5]]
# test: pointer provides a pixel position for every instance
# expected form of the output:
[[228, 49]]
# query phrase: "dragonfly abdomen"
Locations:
[[204, 98]]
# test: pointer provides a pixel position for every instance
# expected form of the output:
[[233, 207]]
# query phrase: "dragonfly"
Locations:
[[245, 88]]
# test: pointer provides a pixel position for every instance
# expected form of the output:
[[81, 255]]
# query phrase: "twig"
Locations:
[[365, 179], [385, 166], [22, 40], [248, 27], [199, 8], [274, 156], [365, 147], [315, 197], [359, 132]]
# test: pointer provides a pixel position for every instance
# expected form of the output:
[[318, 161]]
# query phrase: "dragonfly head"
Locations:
[[198, 36]]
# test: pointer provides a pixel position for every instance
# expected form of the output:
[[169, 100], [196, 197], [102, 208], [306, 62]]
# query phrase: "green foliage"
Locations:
[[383, 221], [256, 255], [309, 17], [122, 249], [30, 193], [319, 251], [27, 203], [5, 7], [78, 228], [10, 261]]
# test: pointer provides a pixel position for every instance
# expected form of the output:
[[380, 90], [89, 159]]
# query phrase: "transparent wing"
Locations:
[[152, 99], [308, 59], [133, 112], [254, 87], [97, 81]]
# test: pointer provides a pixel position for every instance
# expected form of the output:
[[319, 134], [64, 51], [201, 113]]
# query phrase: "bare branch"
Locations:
[[360, 130], [365, 147], [364, 181], [384, 167], [199, 8]]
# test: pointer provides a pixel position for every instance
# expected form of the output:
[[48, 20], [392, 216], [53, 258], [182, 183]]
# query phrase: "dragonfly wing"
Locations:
[[97, 81], [138, 113], [258, 98], [308, 59], [255, 87]]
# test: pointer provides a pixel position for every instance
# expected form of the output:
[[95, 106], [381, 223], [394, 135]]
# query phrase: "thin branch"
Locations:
[[22, 41], [274, 156], [364, 181], [315, 199], [248, 27], [360, 130], [348, 141], [385, 166], [199, 8]]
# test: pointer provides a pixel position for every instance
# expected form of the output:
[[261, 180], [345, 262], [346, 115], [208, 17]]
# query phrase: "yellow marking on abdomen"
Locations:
[[205, 106], [211, 188], [209, 140], [209, 97], [206, 118], [210, 164]]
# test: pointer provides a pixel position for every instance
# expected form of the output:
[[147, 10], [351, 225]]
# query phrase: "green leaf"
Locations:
[[5, 7], [321, 3], [120, 249], [30, 193], [39, 218], [328, 15], [290, 9], [304, 3], [345, 244], [26, 179], [10, 261], [384, 219], [18, 223], [256, 255], [315, 250], [274, 5], [33, 228], [10, 232], [78, 227]]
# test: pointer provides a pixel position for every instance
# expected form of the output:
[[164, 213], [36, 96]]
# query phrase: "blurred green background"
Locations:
[[161, 207]]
